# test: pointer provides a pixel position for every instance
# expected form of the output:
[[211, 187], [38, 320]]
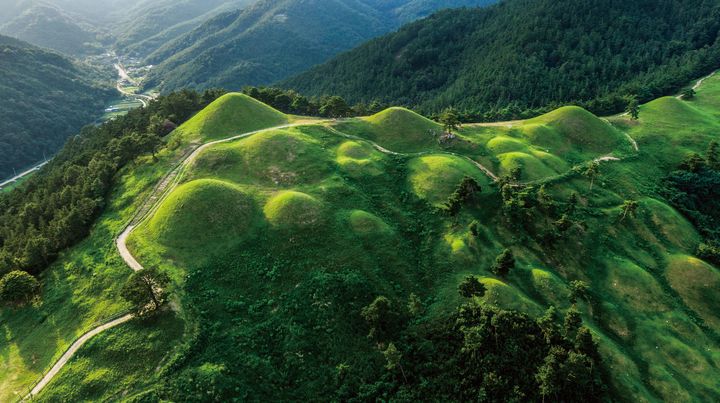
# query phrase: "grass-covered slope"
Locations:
[[230, 115], [278, 241]]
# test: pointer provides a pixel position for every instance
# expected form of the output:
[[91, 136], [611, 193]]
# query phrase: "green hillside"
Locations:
[[230, 115], [44, 98], [512, 59], [271, 40], [279, 242], [48, 27]]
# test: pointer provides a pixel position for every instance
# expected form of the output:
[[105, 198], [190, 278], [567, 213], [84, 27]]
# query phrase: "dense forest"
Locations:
[[272, 40], [47, 26], [56, 207], [44, 98], [523, 56]]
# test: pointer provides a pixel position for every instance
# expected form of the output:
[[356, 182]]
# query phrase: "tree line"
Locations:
[[56, 207], [521, 58]]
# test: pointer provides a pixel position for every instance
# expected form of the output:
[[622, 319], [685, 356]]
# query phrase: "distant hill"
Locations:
[[44, 98], [152, 23], [522, 54], [272, 40], [48, 27]]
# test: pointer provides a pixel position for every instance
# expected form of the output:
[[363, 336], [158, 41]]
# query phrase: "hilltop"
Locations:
[[512, 59], [277, 241]]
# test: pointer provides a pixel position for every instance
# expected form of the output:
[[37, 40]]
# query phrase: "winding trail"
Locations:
[[164, 187], [172, 179]]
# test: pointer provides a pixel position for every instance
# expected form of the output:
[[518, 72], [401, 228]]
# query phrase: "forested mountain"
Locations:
[[44, 98], [526, 54], [272, 40], [46, 26], [151, 24], [135, 27]]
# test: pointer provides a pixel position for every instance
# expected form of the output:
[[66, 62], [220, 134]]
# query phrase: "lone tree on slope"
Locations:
[[629, 207], [592, 171], [471, 287], [146, 290], [504, 263], [633, 108], [688, 94], [450, 120]]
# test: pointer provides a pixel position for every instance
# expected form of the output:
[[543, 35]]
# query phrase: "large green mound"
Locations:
[[203, 213], [435, 177], [398, 129], [277, 158], [697, 283], [367, 224], [230, 115], [294, 210], [573, 132]]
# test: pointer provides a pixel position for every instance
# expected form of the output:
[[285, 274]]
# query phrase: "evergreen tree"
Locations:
[[633, 108], [471, 287], [504, 262], [450, 120], [18, 288]]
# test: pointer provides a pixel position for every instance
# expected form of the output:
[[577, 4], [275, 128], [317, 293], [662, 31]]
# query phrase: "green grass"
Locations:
[[397, 129], [213, 211], [277, 240], [117, 362], [273, 158], [290, 209], [230, 115], [79, 291], [435, 177]]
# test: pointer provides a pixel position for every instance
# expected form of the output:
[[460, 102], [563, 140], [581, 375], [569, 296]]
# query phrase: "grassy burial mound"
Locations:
[[397, 129], [230, 115], [283, 237]]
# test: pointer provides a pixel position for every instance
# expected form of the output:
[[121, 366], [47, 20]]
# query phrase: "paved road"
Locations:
[[23, 174], [166, 184], [71, 352]]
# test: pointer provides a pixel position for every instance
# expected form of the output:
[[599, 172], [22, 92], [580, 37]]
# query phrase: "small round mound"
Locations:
[[505, 144], [358, 159], [634, 287], [354, 150], [550, 286], [435, 177], [530, 166], [672, 226], [290, 209], [229, 115], [697, 283], [273, 158], [364, 223], [203, 212], [673, 110], [403, 130], [580, 129], [508, 297]]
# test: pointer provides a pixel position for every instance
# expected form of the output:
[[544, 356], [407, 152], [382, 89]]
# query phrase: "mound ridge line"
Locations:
[[165, 185], [173, 178]]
